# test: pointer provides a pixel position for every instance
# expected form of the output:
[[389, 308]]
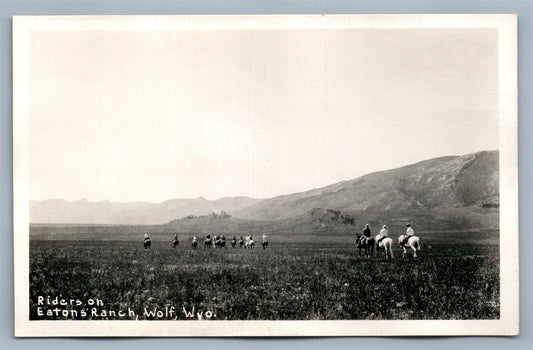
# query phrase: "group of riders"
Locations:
[[384, 242], [384, 233], [217, 241]]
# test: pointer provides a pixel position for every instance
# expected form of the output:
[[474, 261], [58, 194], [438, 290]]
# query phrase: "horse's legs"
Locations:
[[414, 252]]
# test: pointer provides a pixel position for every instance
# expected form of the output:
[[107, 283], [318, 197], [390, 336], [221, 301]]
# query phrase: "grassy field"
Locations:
[[295, 279]]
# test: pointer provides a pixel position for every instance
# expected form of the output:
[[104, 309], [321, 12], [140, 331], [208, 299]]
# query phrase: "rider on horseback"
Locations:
[[384, 233], [366, 233], [147, 241], [264, 244], [410, 232]]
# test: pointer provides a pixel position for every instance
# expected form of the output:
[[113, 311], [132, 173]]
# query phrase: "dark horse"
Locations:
[[147, 243], [366, 243], [175, 242], [220, 242], [265, 244]]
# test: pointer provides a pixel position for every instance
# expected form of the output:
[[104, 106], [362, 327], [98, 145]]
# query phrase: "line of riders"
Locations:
[[382, 241], [217, 241]]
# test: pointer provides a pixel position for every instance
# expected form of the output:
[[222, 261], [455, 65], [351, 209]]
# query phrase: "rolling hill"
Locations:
[[447, 182], [323, 221]]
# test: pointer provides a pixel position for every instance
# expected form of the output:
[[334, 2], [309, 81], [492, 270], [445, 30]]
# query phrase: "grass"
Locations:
[[294, 280]]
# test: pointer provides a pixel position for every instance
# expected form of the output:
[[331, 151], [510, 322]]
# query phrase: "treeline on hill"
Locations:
[[321, 214], [213, 216], [328, 215]]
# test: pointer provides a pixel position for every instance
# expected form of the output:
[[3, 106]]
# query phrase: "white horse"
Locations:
[[385, 244], [249, 243], [413, 243]]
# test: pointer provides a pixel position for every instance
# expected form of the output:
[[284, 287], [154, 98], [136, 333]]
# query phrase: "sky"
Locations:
[[154, 115]]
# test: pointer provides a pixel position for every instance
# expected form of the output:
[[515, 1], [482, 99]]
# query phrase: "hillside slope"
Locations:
[[320, 221], [447, 182]]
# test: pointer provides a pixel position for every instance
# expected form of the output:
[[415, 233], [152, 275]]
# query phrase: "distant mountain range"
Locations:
[[441, 183], [60, 211]]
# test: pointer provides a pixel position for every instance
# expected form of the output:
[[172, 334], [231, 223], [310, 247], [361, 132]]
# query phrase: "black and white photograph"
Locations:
[[265, 175]]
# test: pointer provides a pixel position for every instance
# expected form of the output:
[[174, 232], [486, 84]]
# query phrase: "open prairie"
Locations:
[[298, 277]]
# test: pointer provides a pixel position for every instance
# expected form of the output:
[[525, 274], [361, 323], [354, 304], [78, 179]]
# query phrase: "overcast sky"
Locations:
[[150, 116]]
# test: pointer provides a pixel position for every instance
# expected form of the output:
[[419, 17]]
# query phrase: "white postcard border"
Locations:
[[508, 324]]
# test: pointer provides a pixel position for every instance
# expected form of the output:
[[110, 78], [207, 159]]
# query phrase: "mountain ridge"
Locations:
[[60, 211], [443, 182]]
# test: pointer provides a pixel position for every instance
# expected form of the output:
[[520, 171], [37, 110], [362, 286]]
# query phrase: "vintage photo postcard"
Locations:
[[334, 175]]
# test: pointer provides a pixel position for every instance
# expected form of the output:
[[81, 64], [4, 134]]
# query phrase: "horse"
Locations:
[[207, 242], [413, 242], [249, 244], [147, 243], [241, 242], [219, 242], [366, 243], [385, 244], [194, 242], [175, 242], [233, 242], [264, 244]]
